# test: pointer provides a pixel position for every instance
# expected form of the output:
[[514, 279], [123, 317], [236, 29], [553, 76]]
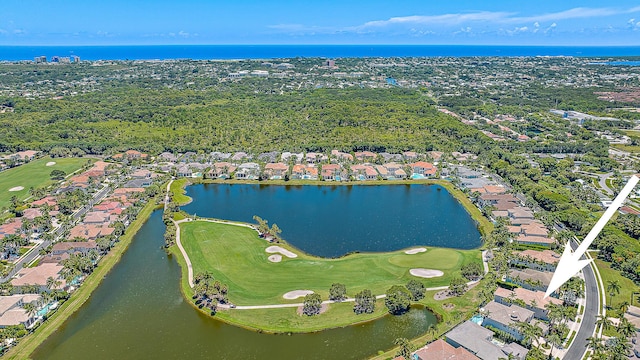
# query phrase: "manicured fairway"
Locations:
[[236, 256], [34, 174]]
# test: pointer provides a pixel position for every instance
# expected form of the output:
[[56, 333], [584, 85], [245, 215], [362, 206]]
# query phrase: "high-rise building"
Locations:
[[330, 63], [40, 59], [75, 59]]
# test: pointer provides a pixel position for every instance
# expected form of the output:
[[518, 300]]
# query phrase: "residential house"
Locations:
[[365, 156], [222, 170], [363, 172], [341, 156], [240, 155], [287, 156], [315, 158], [248, 171], [331, 172], [390, 157], [423, 168], [435, 155], [90, 231], [305, 172], [520, 215], [530, 279], [441, 350], [25, 156], [532, 300], [410, 155], [38, 276], [545, 260], [478, 340], [12, 310], [276, 171], [167, 156], [269, 157], [505, 318], [72, 247], [395, 171]]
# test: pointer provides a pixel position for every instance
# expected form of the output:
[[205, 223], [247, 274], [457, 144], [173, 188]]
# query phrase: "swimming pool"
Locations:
[[477, 319]]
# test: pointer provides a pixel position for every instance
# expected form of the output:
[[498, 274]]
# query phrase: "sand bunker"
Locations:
[[296, 294], [17, 188], [426, 273], [278, 249], [415, 251], [51, 163], [275, 258]]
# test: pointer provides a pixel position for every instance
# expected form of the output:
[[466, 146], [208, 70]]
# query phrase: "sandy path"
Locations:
[[415, 251], [17, 188], [278, 249], [296, 294], [426, 273]]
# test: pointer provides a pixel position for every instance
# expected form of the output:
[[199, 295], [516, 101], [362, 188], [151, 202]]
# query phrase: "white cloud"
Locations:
[[184, 34], [495, 17], [550, 28]]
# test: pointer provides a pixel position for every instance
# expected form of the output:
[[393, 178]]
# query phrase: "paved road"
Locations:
[[592, 309], [57, 233]]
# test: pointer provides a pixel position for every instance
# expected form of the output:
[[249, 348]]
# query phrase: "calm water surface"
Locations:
[[332, 220], [138, 312]]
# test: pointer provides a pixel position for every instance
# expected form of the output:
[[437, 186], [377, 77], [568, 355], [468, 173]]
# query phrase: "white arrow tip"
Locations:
[[568, 266]]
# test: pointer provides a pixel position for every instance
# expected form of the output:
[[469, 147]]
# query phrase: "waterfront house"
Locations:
[[307, 172], [505, 317], [12, 310], [441, 350], [222, 170], [248, 171], [331, 172], [423, 168], [276, 171], [38, 276], [395, 171], [479, 341]]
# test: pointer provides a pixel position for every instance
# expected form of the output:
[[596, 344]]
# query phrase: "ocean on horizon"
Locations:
[[226, 52]]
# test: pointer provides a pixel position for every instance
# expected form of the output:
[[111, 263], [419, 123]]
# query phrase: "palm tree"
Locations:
[[625, 328], [554, 340], [530, 332], [595, 344], [604, 322], [613, 287], [624, 306]]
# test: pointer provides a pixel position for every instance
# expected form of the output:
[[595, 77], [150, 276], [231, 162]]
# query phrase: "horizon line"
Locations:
[[328, 44]]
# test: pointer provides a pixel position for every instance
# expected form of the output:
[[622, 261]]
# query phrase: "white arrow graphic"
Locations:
[[570, 262]]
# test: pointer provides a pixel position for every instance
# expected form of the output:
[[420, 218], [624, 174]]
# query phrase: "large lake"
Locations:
[[332, 220], [138, 312]]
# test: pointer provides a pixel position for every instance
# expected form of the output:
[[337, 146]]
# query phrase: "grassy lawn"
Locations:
[[34, 174], [627, 287], [236, 256], [627, 148], [27, 345], [178, 192]]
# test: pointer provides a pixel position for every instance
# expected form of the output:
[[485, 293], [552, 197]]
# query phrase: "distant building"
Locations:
[[75, 59], [330, 63], [40, 59]]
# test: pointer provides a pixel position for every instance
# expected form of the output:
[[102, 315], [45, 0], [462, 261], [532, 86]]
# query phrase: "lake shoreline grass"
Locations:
[[30, 343]]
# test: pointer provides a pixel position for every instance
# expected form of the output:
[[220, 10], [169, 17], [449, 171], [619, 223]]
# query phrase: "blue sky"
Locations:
[[534, 22]]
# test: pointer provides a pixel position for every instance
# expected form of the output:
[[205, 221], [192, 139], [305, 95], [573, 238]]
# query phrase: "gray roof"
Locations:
[[476, 339], [530, 274], [507, 315], [137, 183]]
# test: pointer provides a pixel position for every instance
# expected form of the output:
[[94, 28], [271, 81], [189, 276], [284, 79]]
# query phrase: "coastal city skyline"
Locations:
[[164, 22]]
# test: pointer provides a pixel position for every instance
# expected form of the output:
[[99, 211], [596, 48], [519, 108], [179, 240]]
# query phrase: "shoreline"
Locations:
[[31, 342]]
